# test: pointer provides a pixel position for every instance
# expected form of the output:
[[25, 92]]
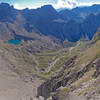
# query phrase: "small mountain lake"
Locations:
[[14, 41]]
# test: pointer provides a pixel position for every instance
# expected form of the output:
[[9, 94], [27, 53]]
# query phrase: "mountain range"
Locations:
[[80, 13], [71, 25]]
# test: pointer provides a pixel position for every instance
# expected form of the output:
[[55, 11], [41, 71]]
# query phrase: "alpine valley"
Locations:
[[49, 54]]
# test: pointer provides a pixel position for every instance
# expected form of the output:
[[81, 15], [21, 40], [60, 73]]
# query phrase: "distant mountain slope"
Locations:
[[43, 19], [79, 13], [27, 22], [48, 22]]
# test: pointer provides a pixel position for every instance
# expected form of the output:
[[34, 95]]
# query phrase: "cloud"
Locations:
[[66, 4], [73, 3], [60, 4], [17, 6], [88, 3], [31, 6]]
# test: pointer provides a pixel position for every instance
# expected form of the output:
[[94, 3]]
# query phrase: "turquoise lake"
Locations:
[[14, 41]]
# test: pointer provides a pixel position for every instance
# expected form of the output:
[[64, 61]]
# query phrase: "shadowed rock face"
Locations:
[[97, 66], [7, 13], [52, 84]]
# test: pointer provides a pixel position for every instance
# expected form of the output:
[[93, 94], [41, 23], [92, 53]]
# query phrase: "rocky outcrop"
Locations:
[[54, 83], [97, 66], [63, 79]]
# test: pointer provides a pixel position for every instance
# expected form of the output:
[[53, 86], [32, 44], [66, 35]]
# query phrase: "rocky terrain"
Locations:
[[11, 86], [61, 62], [78, 77], [74, 75], [63, 73]]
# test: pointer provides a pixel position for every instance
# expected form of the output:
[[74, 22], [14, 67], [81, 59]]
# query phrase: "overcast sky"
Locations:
[[21, 4]]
